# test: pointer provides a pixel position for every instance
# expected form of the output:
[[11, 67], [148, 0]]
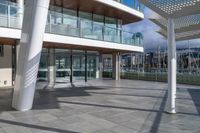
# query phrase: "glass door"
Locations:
[[63, 63], [78, 67], [43, 66], [91, 66]]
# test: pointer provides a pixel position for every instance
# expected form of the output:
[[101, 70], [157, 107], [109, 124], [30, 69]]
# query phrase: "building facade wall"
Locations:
[[6, 67]]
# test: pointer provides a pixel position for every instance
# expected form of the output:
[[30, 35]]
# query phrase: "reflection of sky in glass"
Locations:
[[129, 3]]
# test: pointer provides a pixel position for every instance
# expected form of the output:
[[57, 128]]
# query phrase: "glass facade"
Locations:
[[67, 22], [77, 65]]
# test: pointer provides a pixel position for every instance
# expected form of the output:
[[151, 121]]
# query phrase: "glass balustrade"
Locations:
[[69, 25], [9, 15], [135, 4]]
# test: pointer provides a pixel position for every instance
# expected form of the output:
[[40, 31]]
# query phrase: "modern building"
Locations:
[[62, 41]]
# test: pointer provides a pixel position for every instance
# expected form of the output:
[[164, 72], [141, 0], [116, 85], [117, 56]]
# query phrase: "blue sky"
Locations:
[[152, 39]]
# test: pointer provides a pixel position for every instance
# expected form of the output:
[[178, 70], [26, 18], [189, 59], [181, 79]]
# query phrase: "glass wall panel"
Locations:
[[92, 64], [98, 25], [62, 62], [110, 22], [86, 25], [56, 15], [78, 65], [110, 30], [43, 66], [3, 14], [71, 22], [62, 21]]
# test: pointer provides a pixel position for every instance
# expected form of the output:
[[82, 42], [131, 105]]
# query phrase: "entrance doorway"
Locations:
[[63, 66], [70, 65]]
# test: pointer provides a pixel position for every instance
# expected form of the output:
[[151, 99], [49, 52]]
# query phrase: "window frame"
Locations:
[[1, 50]]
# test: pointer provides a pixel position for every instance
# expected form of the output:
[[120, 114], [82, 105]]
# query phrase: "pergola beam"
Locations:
[[181, 36], [177, 30]]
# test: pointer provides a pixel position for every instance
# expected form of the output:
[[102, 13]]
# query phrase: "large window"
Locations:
[[1, 50]]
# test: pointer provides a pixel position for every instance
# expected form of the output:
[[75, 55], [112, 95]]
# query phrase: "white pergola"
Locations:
[[179, 20], [187, 27]]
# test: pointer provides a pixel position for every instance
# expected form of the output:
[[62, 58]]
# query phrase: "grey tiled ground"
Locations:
[[105, 106]]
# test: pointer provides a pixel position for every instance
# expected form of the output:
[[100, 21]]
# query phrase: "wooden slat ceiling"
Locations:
[[97, 8], [69, 46]]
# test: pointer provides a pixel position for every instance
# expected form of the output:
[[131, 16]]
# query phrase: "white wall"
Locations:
[[6, 67]]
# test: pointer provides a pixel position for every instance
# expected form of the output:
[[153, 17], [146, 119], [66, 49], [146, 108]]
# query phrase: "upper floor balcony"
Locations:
[[76, 24], [129, 11]]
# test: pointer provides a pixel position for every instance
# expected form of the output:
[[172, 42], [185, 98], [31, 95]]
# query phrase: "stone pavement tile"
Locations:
[[72, 119], [17, 129], [91, 109], [122, 129], [28, 120], [107, 113], [29, 113], [2, 131], [172, 130], [138, 125], [103, 131], [45, 117], [189, 124], [83, 127], [6, 116], [168, 118], [101, 123], [66, 113], [47, 128], [122, 118]]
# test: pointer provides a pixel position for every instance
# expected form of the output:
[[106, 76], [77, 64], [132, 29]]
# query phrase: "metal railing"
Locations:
[[182, 78]]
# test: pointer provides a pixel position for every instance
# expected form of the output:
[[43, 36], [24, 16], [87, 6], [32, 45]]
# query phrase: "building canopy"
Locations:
[[186, 15]]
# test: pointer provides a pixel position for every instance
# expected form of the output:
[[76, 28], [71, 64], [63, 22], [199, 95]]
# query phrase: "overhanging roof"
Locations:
[[186, 15], [187, 27], [173, 8], [109, 8], [183, 24], [183, 35]]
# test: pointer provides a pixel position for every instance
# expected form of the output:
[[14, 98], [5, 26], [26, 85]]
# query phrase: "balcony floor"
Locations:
[[104, 106]]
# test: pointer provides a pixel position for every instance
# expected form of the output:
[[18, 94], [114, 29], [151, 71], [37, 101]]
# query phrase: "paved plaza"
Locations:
[[103, 106]]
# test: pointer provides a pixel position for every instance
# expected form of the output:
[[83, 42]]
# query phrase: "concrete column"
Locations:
[[116, 66], [52, 68], [171, 67], [20, 12], [35, 16]]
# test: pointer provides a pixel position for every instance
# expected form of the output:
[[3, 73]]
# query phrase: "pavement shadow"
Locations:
[[195, 95], [31, 126]]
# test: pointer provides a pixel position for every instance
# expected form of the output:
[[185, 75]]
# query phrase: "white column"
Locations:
[[171, 67], [116, 66], [20, 12], [52, 68], [33, 28]]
